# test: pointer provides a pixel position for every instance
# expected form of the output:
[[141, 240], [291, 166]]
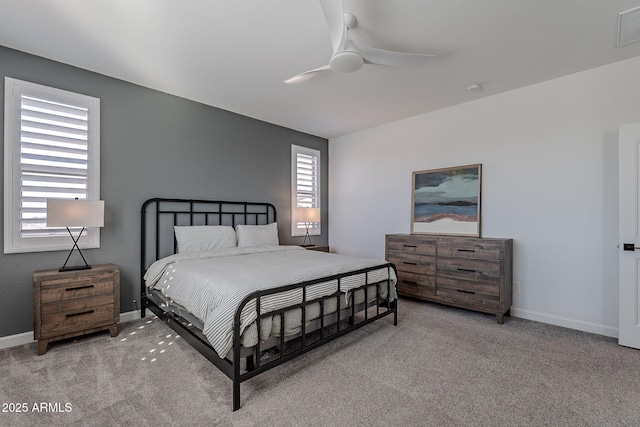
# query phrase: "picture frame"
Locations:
[[447, 201]]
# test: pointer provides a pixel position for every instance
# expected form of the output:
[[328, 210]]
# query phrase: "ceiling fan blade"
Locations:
[[388, 57], [334, 15], [306, 75]]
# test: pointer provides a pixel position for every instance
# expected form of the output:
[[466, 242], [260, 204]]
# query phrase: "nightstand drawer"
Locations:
[[67, 289], [77, 319], [317, 248]]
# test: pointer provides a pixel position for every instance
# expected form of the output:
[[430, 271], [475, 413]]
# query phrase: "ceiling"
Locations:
[[235, 54]]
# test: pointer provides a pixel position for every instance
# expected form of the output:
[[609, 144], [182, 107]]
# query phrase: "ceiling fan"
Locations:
[[348, 56]]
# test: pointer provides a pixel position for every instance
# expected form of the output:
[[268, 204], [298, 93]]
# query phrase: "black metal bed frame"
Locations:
[[207, 212]]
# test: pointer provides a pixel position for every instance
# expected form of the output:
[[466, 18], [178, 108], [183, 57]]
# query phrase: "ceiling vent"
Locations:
[[629, 27]]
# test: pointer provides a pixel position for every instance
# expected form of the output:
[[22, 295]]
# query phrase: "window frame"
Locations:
[[315, 229], [14, 90]]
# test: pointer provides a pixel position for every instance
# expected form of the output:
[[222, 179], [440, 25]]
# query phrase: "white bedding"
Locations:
[[211, 284]]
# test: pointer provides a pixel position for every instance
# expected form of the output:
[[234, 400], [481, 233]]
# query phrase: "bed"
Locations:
[[215, 272]]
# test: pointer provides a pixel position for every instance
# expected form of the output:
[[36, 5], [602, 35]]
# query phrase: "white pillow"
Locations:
[[204, 237], [258, 235]]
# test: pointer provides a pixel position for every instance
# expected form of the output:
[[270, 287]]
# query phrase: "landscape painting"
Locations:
[[447, 201]]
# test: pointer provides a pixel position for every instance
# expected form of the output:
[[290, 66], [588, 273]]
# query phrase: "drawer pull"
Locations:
[[466, 270], [466, 292], [466, 250], [410, 263], [80, 314], [410, 246], [79, 287], [409, 282]]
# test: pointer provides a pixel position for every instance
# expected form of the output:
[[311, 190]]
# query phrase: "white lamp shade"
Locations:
[[307, 214], [75, 213]]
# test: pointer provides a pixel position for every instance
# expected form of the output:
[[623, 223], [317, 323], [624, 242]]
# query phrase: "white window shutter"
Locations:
[[53, 160], [305, 186], [51, 151]]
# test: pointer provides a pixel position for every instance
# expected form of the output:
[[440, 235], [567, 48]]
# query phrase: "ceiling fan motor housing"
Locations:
[[348, 56], [346, 62]]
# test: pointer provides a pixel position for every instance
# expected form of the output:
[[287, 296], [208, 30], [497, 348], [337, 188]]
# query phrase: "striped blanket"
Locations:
[[211, 284]]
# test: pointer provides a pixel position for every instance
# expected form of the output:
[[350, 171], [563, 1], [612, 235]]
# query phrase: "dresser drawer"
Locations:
[[469, 269], [412, 245], [80, 287], [472, 288], [416, 285], [413, 263], [470, 249], [477, 294]]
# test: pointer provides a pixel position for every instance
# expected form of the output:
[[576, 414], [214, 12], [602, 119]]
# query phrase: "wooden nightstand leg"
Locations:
[[500, 318], [42, 347], [113, 330]]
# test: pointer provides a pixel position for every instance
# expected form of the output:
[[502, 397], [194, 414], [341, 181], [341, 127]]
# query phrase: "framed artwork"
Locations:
[[446, 201]]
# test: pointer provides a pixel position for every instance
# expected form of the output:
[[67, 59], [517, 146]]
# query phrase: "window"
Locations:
[[305, 186], [51, 150]]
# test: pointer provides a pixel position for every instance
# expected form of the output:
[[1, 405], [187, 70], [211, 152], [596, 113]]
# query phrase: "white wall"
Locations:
[[549, 181]]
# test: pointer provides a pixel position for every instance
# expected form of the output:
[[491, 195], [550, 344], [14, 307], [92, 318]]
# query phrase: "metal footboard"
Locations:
[[382, 307]]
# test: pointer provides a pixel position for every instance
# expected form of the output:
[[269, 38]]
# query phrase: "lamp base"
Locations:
[[307, 246], [75, 268], [304, 242], [75, 246]]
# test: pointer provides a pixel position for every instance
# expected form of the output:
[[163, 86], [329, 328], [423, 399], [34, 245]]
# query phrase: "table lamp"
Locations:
[[75, 213], [307, 215]]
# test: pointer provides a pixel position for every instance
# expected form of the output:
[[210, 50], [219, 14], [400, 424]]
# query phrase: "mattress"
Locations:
[[212, 284]]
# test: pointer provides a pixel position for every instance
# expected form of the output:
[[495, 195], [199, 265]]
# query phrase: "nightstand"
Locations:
[[317, 248], [71, 303]]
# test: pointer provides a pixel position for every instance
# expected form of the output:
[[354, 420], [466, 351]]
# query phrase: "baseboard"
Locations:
[[27, 337], [15, 340], [608, 331], [129, 316]]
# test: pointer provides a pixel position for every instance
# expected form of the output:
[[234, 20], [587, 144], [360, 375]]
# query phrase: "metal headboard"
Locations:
[[160, 215]]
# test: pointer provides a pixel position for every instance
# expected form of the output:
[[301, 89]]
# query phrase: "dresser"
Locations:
[[71, 303], [466, 272]]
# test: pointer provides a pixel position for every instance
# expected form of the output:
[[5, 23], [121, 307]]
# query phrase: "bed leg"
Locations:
[[394, 304], [236, 395], [251, 364], [143, 307]]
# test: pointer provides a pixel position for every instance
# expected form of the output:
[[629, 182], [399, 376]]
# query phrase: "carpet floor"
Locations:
[[440, 366]]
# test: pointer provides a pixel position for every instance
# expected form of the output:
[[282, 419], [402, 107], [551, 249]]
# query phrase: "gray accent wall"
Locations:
[[155, 145]]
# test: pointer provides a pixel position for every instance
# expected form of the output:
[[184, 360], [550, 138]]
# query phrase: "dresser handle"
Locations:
[[410, 246], [79, 287], [466, 250], [409, 263], [466, 270], [80, 314], [408, 282], [466, 292]]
